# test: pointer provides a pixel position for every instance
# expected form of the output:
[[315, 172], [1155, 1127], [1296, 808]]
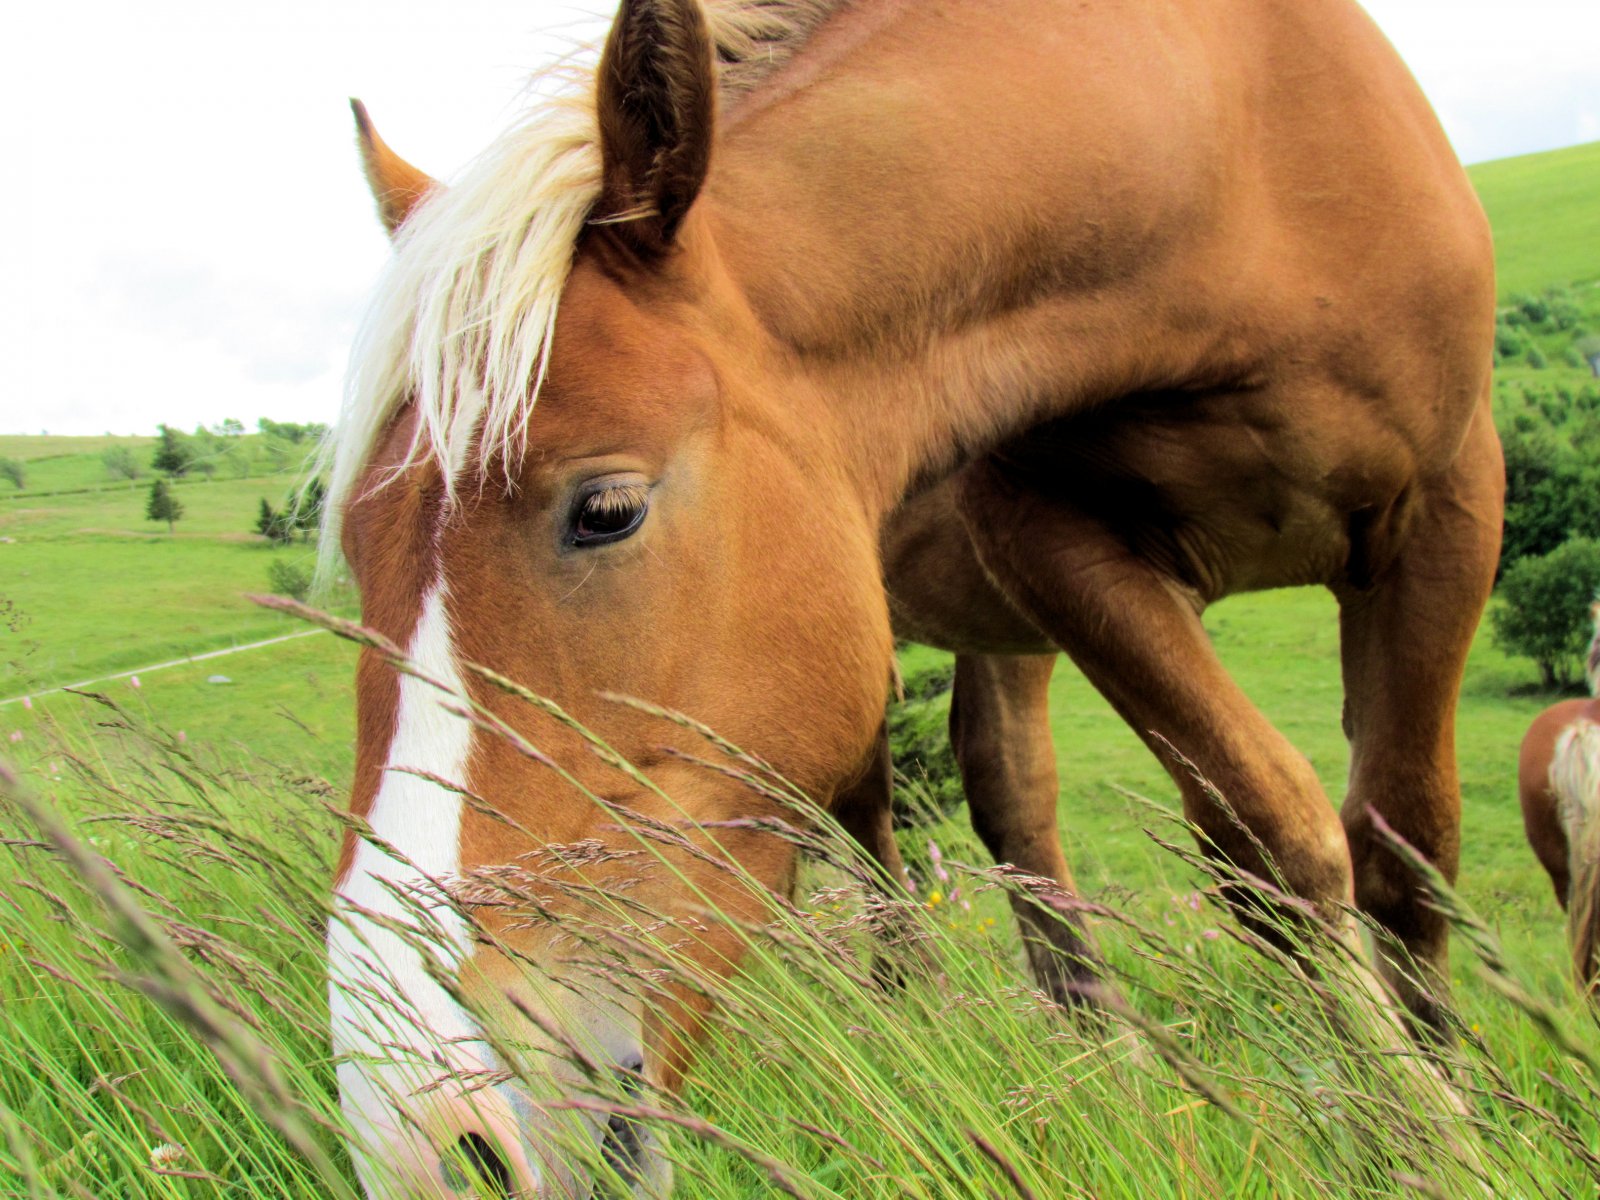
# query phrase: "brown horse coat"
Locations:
[[1058, 322]]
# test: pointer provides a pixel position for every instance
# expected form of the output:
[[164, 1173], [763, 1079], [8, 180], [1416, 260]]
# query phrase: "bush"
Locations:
[[289, 578], [120, 462], [1535, 358], [1544, 609], [919, 743], [12, 469], [1552, 492], [1508, 343]]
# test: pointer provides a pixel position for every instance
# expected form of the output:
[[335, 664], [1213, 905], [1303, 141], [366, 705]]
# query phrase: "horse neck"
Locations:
[[900, 256]]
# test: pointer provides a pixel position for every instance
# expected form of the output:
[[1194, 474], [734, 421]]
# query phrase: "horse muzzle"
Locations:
[[455, 1140]]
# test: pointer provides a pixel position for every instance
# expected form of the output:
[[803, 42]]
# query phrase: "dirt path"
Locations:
[[176, 662]]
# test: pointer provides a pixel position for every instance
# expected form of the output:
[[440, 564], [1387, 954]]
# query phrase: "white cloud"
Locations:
[[190, 237], [1505, 78]]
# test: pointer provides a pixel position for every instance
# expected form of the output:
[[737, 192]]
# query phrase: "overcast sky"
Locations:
[[185, 235]]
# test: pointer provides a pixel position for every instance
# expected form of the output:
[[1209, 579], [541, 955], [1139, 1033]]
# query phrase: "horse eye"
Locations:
[[609, 514]]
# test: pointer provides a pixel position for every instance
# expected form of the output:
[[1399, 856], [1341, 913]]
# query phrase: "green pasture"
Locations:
[[1228, 1076], [36, 448], [92, 588], [1281, 646], [55, 463], [1544, 215], [219, 798]]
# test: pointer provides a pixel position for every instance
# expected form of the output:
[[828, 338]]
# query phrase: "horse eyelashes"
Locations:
[[610, 514]]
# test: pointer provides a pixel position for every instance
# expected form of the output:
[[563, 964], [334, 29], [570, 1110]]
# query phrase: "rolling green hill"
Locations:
[[1545, 211]]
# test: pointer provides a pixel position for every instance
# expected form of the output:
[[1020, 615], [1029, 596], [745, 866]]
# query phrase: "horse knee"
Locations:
[[1277, 826], [1024, 835], [1386, 887]]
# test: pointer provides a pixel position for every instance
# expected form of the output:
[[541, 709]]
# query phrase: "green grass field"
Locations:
[[1246, 1080], [1544, 215], [817, 1087], [95, 588]]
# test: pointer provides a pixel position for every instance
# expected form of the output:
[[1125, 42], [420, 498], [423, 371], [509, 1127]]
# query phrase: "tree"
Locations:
[[1544, 609], [12, 469], [305, 508], [230, 427], [120, 462], [174, 455], [288, 431], [163, 505], [273, 524]]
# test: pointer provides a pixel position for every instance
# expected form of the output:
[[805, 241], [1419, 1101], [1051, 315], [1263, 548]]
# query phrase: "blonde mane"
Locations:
[[464, 313]]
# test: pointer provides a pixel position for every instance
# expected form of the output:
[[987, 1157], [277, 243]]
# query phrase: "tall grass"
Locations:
[[164, 1017]]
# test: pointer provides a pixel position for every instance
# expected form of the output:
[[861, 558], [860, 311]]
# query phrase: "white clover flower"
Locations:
[[166, 1156]]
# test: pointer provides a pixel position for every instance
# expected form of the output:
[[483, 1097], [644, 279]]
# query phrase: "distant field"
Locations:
[[92, 587], [31, 447], [74, 463], [287, 706], [1545, 212], [135, 601]]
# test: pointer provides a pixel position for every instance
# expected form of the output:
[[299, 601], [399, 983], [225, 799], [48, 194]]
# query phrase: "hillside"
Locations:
[[1545, 211]]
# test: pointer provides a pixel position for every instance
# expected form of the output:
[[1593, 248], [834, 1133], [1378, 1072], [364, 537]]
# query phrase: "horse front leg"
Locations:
[[865, 811]]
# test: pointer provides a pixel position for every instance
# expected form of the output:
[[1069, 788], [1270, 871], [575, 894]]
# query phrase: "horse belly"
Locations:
[[1232, 492]]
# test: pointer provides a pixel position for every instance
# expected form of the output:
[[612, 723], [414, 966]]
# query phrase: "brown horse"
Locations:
[[1558, 782], [1055, 323]]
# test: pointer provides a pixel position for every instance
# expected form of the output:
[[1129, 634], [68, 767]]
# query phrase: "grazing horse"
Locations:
[[1037, 326], [1558, 782]]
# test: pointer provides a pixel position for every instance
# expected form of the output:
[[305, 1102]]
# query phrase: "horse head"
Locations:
[[570, 456]]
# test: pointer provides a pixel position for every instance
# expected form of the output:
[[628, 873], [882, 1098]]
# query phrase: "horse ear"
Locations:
[[656, 98], [396, 185]]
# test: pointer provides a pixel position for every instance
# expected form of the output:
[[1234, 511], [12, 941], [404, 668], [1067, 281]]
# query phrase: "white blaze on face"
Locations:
[[382, 1001]]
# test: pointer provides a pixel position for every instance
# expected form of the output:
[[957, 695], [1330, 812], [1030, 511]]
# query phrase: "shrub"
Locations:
[[1508, 342], [120, 462], [1544, 609], [12, 469], [1535, 358], [919, 743], [289, 578], [1552, 492]]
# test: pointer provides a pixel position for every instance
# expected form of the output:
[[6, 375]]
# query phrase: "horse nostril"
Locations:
[[475, 1153], [623, 1146]]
